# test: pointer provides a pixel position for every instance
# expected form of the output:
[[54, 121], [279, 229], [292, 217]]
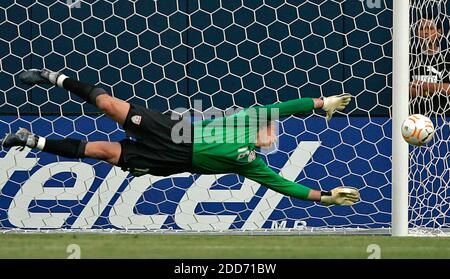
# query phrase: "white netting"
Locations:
[[167, 54], [430, 76]]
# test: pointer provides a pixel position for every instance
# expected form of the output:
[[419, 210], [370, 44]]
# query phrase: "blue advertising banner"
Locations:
[[43, 191]]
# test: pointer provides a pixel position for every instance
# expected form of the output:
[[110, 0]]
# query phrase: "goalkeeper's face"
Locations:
[[266, 136]]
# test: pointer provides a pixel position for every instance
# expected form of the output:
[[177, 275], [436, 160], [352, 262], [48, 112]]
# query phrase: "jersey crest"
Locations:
[[244, 152], [136, 119]]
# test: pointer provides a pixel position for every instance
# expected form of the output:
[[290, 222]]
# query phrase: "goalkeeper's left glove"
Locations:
[[340, 196], [334, 103]]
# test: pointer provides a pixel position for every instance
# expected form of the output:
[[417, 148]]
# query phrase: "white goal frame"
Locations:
[[400, 110]]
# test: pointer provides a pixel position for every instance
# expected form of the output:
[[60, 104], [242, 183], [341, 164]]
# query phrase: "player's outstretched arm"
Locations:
[[259, 172], [303, 105]]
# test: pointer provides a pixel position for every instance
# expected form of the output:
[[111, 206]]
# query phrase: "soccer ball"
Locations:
[[417, 130]]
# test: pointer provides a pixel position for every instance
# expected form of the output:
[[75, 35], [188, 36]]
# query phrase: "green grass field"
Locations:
[[214, 246]]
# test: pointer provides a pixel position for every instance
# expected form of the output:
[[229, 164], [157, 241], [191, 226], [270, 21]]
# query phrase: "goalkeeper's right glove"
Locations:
[[334, 103], [340, 196]]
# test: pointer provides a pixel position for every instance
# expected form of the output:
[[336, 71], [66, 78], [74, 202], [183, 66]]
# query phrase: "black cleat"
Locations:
[[35, 76], [32, 77], [22, 138]]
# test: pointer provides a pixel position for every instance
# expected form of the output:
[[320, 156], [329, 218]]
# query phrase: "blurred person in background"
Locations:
[[430, 69]]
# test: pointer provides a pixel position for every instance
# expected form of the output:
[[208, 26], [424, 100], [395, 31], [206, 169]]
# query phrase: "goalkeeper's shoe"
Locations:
[[21, 139], [340, 196], [334, 103], [35, 76]]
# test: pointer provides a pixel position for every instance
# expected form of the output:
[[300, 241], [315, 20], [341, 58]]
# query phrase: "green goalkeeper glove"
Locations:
[[334, 103], [340, 196]]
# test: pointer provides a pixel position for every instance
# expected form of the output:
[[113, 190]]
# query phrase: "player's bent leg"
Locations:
[[85, 91], [114, 108], [104, 150]]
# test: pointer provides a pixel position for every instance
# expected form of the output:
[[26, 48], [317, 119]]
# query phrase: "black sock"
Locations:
[[69, 148], [85, 91]]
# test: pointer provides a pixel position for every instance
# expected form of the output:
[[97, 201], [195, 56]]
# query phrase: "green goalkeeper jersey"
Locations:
[[228, 145]]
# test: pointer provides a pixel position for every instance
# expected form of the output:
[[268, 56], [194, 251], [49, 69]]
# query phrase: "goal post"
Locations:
[[400, 110]]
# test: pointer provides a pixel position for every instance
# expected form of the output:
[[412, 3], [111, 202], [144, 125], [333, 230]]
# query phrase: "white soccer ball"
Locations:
[[417, 130]]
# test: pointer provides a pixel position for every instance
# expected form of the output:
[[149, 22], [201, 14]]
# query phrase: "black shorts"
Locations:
[[152, 150]]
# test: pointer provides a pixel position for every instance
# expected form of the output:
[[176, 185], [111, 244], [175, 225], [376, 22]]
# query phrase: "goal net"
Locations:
[[430, 77], [170, 55]]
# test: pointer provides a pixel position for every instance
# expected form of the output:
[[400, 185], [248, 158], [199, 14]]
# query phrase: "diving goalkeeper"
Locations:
[[229, 146]]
